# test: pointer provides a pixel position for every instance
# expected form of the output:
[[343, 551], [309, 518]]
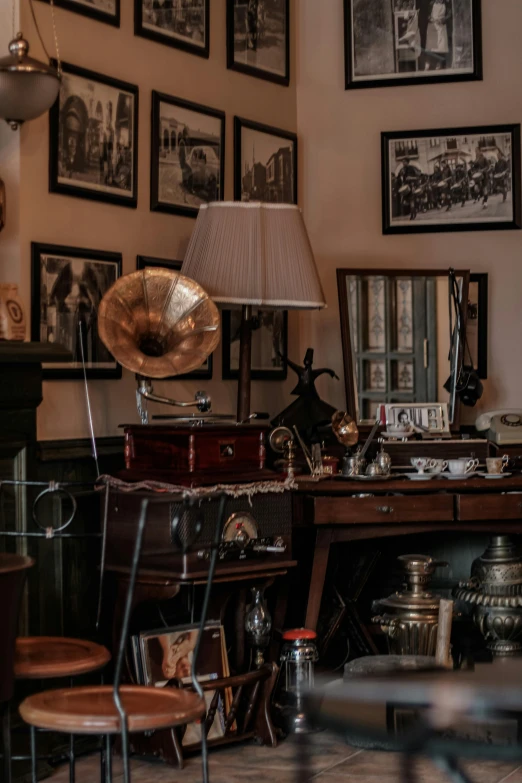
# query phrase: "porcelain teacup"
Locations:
[[438, 465], [462, 466], [496, 465], [422, 464]]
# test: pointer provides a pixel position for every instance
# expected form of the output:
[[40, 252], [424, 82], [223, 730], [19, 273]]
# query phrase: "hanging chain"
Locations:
[[59, 65]]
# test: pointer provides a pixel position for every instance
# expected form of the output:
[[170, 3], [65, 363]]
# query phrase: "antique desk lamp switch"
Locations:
[[249, 254]]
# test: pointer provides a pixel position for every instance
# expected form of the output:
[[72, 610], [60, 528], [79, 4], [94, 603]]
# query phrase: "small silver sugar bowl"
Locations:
[[374, 469], [383, 459]]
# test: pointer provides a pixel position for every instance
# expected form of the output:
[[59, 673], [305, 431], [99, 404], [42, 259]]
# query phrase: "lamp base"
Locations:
[[245, 361]]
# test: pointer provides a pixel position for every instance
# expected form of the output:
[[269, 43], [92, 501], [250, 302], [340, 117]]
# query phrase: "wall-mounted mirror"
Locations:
[[396, 334]]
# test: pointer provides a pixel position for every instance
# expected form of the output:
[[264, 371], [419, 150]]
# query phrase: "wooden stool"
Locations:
[[47, 657], [92, 710]]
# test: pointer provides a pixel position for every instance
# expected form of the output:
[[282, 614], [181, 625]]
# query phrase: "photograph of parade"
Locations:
[[105, 6], [265, 163], [93, 138], [399, 40], [449, 179], [187, 155], [258, 37], [181, 21]]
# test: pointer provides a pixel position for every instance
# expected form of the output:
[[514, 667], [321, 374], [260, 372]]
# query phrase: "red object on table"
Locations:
[[299, 633]]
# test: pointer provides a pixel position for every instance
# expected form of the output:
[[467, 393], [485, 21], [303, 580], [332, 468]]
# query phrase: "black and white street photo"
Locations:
[[258, 38], [68, 286], [411, 41], [187, 155], [93, 138], [269, 344], [452, 180], [265, 163], [183, 24]]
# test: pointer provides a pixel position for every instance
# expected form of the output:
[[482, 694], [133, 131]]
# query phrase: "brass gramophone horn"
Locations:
[[159, 323]]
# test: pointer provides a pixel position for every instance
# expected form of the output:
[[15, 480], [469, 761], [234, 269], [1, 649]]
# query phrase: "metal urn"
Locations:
[[494, 592], [410, 618]]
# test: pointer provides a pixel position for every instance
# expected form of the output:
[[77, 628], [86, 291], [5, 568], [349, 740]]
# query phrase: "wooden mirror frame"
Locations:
[[348, 368]]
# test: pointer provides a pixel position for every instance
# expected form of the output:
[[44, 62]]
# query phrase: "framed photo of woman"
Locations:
[[398, 42]]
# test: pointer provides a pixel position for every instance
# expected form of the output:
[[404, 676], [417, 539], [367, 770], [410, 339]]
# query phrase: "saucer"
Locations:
[[398, 435], [495, 475], [458, 476], [420, 476]]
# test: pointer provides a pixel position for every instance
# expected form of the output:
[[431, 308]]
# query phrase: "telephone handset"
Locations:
[[504, 427]]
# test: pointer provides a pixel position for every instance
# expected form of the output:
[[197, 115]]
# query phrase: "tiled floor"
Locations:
[[330, 762]]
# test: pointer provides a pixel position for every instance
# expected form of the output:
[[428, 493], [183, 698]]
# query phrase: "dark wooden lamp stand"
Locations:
[[245, 362]]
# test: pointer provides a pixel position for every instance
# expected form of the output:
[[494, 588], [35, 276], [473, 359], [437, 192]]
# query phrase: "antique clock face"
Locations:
[[240, 528]]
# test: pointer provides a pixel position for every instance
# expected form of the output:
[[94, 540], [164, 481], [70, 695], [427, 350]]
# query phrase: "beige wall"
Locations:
[[46, 217], [340, 171]]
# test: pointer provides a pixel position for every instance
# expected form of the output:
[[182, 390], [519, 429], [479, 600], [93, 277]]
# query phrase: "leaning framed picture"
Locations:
[[184, 24], [205, 371], [451, 179], [265, 163], [398, 42], [102, 10], [258, 38], [93, 138], [187, 166], [68, 284], [269, 344]]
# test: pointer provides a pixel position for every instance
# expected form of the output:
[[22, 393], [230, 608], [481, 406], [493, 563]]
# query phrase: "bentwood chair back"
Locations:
[[13, 571]]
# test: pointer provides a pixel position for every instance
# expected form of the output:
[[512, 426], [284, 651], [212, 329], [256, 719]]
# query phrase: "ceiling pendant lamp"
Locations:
[[28, 87]]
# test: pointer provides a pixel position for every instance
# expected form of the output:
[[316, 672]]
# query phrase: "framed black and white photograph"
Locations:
[[456, 179], [93, 138], [265, 163], [68, 284], [398, 42], [187, 155], [183, 24], [258, 38], [102, 10], [477, 322], [205, 371], [269, 344]]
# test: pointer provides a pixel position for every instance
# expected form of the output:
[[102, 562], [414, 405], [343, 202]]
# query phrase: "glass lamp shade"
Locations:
[[28, 87]]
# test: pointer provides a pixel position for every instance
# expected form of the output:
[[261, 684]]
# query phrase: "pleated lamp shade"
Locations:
[[249, 253]]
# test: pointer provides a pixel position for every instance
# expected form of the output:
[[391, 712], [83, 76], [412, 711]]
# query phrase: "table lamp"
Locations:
[[252, 254]]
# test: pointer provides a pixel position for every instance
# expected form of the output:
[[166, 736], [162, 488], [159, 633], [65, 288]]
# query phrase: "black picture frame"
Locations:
[[240, 124], [78, 7], [252, 70], [353, 83], [79, 109], [479, 279], [38, 250], [419, 225], [156, 204], [206, 371], [168, 40], [230, 374]]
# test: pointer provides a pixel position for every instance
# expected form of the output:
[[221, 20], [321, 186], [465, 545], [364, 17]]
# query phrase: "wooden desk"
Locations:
[[400, 507]]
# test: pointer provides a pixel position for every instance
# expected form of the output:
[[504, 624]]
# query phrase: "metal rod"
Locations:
[[370, 437], [88, 400], [123, 638], [103, 554], [245, 363], [6, 736], [304, 450], [22, 534], [218, 531], [108, 759], [72, 760], [34, 775]]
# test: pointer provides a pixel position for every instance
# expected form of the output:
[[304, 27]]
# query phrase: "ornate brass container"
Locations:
[[410, 618], [494, 591]]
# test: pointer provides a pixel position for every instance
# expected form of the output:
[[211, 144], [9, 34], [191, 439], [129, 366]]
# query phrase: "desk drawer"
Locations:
[[360, 511], [478, 507]]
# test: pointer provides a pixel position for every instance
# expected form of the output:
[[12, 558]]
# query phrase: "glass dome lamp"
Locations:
[[28, 87]]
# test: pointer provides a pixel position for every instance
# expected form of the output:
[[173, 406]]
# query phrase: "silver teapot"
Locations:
[[383, 460]]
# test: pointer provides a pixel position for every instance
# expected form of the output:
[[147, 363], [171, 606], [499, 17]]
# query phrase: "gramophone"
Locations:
[[158, 323]]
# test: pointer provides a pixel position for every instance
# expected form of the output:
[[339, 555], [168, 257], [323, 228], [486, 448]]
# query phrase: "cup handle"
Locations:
[[505, 461], [432, 463], [470, 466], [444, 464]]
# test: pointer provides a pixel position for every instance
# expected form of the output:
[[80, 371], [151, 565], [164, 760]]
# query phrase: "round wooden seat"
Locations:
[[91, 710], [44, 657]]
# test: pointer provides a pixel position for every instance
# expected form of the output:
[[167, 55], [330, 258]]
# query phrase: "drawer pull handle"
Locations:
[[385, 509]]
